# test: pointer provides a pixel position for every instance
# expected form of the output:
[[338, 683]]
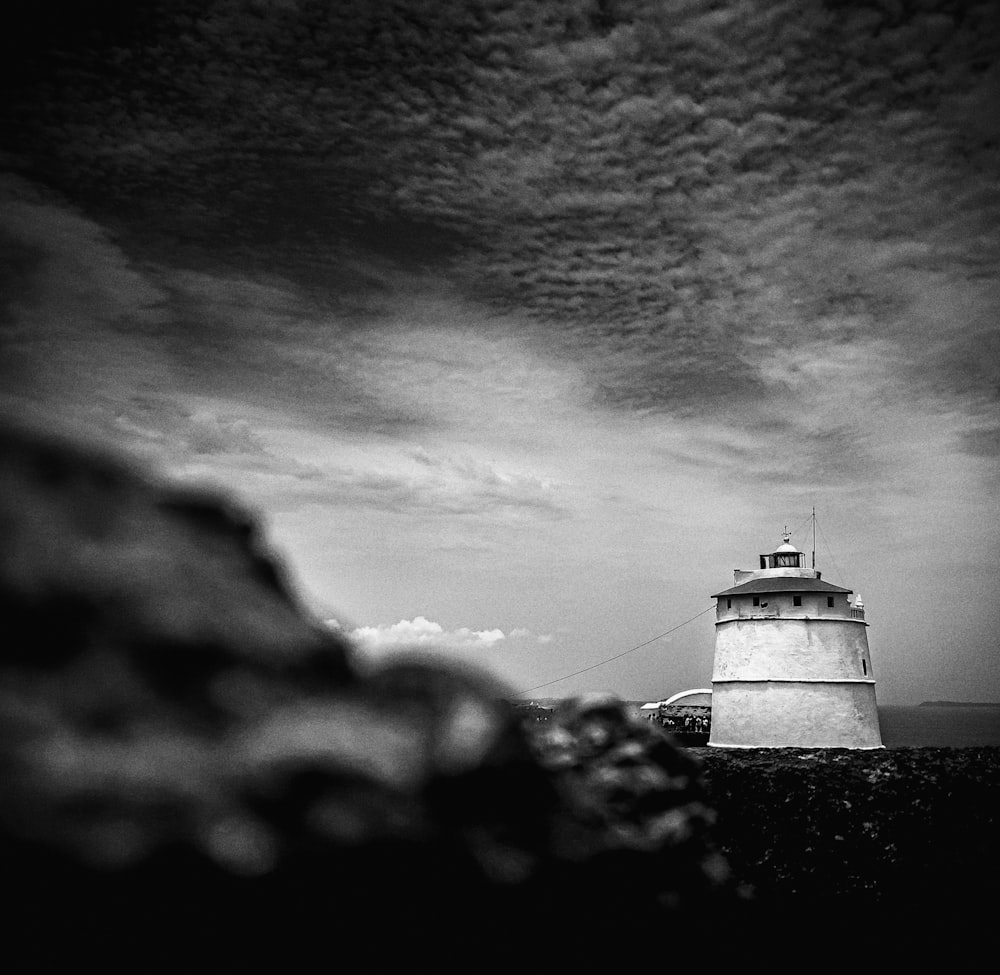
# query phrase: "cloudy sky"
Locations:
[[522, 323]]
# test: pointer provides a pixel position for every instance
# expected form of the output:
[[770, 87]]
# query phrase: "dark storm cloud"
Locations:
[[122, 342], [606, 283], [671, 192], [190, 367]]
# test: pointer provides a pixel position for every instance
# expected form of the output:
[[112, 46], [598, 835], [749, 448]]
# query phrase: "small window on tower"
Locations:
[[829, 601], [796, 600], [756, 600], [729, 604], [864, 667]]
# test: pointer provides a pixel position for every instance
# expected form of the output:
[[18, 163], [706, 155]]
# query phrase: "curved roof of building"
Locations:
[[699, 695], [780, 584]]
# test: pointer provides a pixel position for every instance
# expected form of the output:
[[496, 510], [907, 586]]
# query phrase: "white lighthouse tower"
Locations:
[[792, 666]]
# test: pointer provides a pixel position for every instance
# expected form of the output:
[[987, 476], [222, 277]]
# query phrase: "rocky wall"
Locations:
[[888, 854]]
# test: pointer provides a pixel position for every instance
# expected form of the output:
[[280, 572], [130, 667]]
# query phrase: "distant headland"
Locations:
[[959, 704]]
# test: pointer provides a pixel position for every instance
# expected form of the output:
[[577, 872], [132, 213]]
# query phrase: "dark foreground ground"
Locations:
[[895, 851], [196, 776], [851, 859]]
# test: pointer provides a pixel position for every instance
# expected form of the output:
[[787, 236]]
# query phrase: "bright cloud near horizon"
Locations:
[[431, 639], [522, 323]]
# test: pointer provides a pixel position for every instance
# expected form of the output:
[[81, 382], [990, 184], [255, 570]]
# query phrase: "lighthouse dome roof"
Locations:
[[785, 547]]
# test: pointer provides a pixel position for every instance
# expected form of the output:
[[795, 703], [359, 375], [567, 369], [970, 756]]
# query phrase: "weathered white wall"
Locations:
[[774, 714], [814, 606], [783, 647], [792, 676]]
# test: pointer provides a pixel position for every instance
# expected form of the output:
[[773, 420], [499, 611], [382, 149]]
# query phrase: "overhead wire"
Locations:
[[829, 551], [806, 522], [618, 656], [673, 629]]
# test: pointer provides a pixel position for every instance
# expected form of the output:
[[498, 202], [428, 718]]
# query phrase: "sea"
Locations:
[[935, 725], [939, 725]]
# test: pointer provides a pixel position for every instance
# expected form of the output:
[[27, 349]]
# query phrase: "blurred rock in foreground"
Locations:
[[197, 778]]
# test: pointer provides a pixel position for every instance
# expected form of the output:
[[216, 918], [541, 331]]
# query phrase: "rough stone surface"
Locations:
[[889, 854], [197, 778]]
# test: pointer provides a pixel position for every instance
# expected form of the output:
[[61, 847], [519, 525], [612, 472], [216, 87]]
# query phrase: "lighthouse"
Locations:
[[792, 666]]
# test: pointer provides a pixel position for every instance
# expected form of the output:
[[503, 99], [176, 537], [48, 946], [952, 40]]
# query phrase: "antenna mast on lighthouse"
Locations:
[[814, 537]]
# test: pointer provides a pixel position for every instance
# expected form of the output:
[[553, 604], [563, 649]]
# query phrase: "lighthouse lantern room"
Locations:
[[792, 666]]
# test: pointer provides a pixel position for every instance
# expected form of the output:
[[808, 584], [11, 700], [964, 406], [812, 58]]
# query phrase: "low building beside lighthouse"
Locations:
[[792, 666]]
